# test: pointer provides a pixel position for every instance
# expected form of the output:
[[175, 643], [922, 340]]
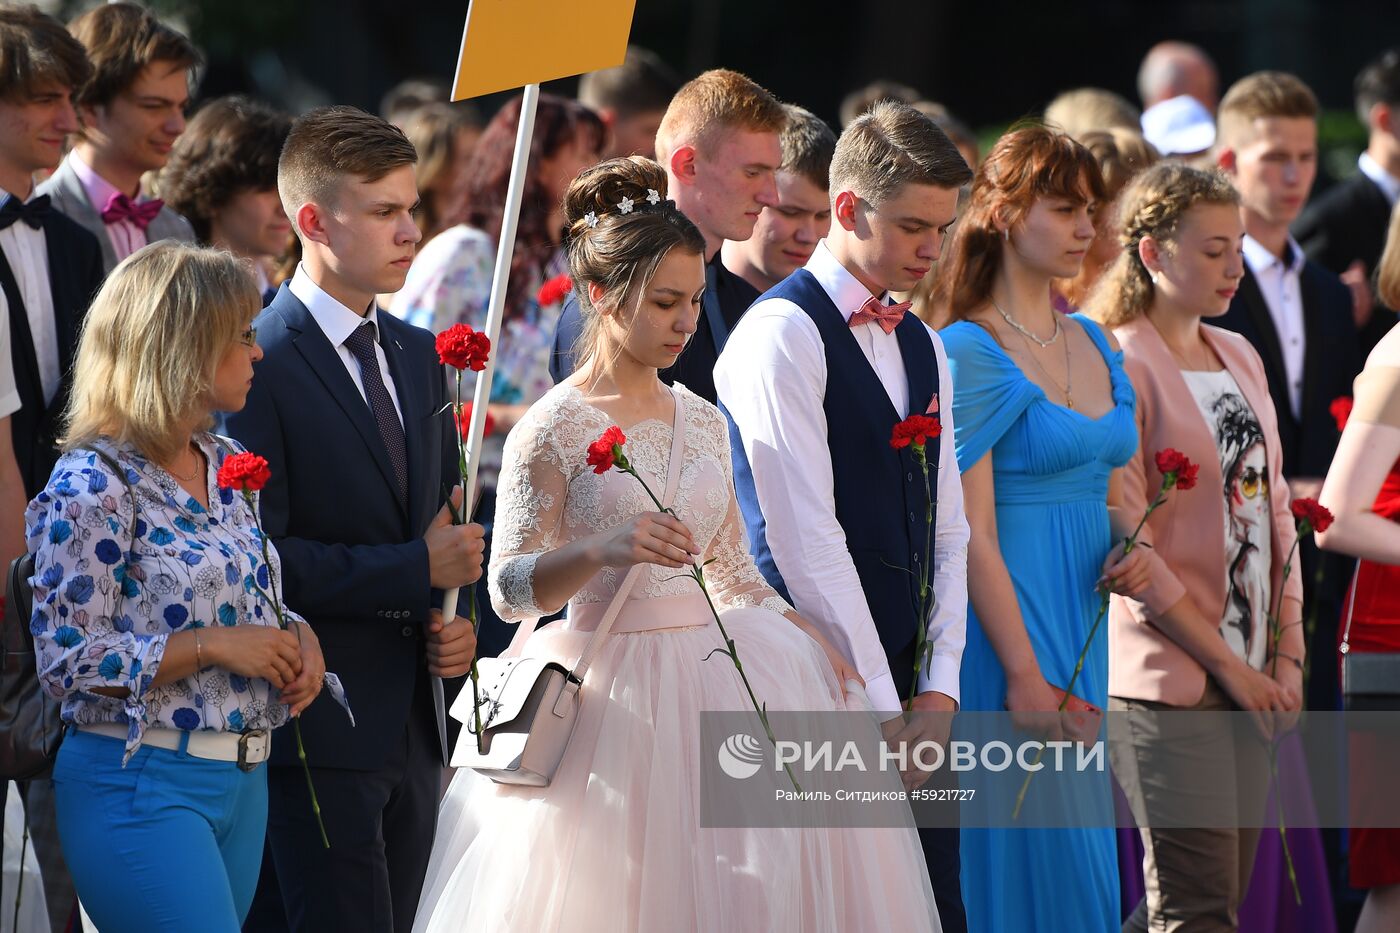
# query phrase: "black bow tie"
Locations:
[[32, 213]]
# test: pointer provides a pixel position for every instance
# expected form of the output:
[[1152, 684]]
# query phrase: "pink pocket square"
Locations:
[[932, 405]]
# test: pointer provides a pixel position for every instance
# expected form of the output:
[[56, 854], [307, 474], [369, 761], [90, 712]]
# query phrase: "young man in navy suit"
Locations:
[[347, 408]]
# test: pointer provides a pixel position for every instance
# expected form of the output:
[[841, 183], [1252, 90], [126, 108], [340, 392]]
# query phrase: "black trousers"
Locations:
[[940, 843], [380, 825]]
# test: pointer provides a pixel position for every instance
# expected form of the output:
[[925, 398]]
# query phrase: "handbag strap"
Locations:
[[673, 475], [1351, 608]]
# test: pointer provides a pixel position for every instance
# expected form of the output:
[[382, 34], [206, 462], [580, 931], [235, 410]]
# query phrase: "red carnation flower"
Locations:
[[606, 451], [554, 291], [1175, 465], [1310, 516], [1341, 411], [916, 430], [463, 348], [246, 472], [464, 422]]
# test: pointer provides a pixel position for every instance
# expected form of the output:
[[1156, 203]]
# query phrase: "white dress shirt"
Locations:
[[338, 322], [1388, 183], [1282, 288], [9, 395], [27, 252], [771, 379]]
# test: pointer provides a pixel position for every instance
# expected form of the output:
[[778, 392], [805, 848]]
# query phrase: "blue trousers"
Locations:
[[170, 842]]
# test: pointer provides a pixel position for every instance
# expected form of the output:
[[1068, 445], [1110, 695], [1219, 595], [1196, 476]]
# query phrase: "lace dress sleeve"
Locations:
[[530, 500], [733, 578]]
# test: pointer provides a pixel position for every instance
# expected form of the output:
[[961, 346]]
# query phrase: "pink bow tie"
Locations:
[[120, 207], [887, 316]]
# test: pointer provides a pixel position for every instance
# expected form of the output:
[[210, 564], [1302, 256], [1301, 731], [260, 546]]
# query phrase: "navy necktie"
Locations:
[[32, 213], [709, 304], [381, 405]]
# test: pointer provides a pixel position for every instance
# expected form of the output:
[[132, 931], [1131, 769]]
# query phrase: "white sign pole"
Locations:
[[496, 310]]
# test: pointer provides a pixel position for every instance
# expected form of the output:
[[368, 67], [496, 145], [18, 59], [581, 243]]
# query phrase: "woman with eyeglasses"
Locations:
[[1199, 637], [150, 620]]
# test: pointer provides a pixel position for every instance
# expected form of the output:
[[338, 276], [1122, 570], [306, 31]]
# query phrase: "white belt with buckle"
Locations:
[[246, 749]]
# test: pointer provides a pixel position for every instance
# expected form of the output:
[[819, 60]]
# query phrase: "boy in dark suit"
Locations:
[[1343, 229], [347, 409], [719, 145]]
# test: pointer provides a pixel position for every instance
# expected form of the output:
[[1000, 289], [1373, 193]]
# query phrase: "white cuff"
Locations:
[[941, 674], [883, 696]]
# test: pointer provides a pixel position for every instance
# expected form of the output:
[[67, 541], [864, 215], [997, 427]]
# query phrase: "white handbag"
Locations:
[[529, 706]]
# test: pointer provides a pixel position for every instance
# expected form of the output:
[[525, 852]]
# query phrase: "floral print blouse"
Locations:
[[103, 621], [450, 283]]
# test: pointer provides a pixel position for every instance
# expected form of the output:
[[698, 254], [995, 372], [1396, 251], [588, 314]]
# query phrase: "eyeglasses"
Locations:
[[249, 338], [1252, 482]]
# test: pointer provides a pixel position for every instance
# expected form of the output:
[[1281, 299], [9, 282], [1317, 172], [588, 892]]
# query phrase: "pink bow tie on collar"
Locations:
[[120, 207], [887, 316]]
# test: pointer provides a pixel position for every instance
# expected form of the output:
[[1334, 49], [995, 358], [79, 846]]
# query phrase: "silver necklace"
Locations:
[[1024, 332]]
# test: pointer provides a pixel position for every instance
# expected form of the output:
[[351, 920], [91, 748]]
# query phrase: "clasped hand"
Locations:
[[930, 719], [290, 659]]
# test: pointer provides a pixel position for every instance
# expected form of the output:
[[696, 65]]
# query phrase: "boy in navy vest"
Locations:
[[813, 381]]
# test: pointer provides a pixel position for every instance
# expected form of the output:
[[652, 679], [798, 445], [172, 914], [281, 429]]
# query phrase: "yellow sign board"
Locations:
[[508, 44]]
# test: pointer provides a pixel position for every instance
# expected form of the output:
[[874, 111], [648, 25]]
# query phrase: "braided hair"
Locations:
[[617, 247], [1153, 204]]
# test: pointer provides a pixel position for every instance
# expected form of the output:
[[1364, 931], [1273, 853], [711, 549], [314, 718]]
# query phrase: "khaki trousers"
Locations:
[[1208, 771]]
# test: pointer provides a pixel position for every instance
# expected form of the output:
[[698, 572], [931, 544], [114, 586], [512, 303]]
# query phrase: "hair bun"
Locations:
[[600, 190]]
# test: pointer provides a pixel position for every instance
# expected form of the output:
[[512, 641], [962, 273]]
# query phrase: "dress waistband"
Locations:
[[643, 615]]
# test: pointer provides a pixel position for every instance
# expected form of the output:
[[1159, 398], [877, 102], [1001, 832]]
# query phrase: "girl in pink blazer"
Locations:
[[1199, 637]]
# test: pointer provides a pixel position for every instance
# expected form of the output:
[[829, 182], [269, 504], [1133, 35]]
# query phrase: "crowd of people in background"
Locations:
[[187, 281]]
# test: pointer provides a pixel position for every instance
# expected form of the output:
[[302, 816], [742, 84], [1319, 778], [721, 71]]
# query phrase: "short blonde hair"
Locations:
[[892, 145], [155, 334], [1121, 154], [1085, 109], [1262, 94], [718, 99]]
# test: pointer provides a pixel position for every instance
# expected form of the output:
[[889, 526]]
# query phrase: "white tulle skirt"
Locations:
[[615, 844]]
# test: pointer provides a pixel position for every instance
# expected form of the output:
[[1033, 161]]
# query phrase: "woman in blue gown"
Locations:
[[1044, 414]]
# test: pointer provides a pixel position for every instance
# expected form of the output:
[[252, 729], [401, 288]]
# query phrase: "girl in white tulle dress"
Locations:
[[615, 842]]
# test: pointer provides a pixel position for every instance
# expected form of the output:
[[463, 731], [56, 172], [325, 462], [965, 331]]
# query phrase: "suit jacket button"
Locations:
[[379, 612], [408, 631]]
